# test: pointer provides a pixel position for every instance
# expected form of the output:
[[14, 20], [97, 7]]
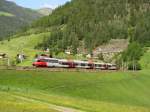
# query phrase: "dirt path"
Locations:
[[51, 106]]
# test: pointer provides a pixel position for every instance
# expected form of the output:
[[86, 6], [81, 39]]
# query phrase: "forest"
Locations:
[[95, 22]]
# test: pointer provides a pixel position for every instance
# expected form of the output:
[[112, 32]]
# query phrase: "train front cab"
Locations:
[[40, 63]]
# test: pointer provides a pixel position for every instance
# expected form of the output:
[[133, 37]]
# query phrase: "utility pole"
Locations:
[[122, 65], [133, 65]]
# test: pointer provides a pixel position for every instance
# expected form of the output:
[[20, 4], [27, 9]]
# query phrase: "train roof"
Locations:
[[110, 64], [75, 61], [99, 63], [78, 61], [63, 60], [43, 57]]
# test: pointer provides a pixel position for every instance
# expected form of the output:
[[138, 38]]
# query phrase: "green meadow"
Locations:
[[24, 44], [42, 91], [88, 92], [145, 60]]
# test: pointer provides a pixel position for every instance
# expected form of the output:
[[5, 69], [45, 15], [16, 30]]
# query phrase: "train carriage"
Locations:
[[101, 66], [46, 62], [63, 63], [66, 64], [81, 64]]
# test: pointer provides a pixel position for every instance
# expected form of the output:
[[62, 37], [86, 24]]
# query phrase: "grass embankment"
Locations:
[[145, 60], [12, 103], [92, 92], [24, 44]]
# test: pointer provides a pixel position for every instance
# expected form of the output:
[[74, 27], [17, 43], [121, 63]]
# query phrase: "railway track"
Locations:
[[30, 68]]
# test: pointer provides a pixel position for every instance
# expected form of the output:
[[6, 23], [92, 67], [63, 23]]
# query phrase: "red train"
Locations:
[[63, 63]]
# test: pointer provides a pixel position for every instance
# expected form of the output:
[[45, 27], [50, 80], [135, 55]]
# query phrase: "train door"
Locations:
[[71, 64]]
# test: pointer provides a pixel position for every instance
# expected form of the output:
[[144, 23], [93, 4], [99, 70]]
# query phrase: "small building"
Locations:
[[68, 52]]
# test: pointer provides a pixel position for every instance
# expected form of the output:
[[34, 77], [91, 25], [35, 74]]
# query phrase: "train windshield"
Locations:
[[48, 60], [41, 60], [53, 61]]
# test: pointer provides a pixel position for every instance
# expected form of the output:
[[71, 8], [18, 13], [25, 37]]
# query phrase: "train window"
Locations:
[[109, 65], [97, 65], [53, 61], [83, 64], [41, 60], [101, 65], [76, 64], [64, 63], [46, 60], [113, 65], [90, 64], [104, 65]]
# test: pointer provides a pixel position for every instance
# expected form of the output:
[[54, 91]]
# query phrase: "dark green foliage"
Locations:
[[95, 22], [142, 33], [134, 66], [134, 52], [101, 57], [21, 17], [132, 55]]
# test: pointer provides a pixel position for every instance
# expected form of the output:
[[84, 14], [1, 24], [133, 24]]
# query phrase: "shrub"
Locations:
[[134, 66]]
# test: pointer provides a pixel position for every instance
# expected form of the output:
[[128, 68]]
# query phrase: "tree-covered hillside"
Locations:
[[94, 22], [12, 17]]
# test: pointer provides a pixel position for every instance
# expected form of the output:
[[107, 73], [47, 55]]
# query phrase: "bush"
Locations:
[[134, 66]]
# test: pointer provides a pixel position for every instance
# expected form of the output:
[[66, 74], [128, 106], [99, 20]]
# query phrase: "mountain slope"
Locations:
[[45, 11], [23, 44], [12, 17], [95, 22]]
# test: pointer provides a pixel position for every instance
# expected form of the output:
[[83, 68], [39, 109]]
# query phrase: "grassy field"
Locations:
[[91, 92], [23, 44], [13, 103], [145, 60], [41, 91]]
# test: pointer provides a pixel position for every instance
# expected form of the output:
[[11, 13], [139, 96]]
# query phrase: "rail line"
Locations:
[[30, 68]]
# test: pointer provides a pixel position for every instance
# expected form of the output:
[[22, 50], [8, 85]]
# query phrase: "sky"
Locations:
[[37, 4]]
